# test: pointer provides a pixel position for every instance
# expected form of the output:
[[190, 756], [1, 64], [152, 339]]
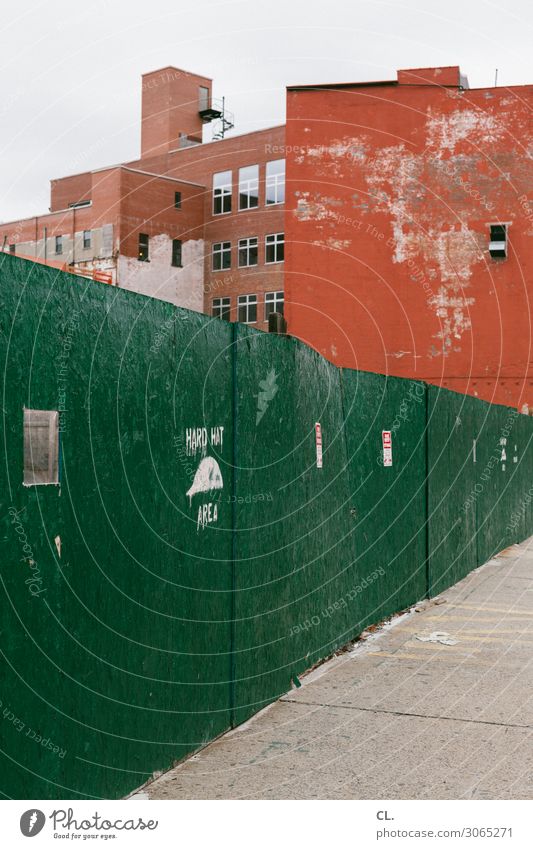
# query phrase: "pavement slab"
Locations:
[[436, 705]]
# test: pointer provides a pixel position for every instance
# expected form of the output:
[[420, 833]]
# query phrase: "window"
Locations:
[[273, 303], [144, 248], [177, 200], [275, 247], [221, 192], [203, 98], [247, 308], [12, 249], [86, 239], [41, 447], [275, 181], [498, 241], [176, 253], [247, 252], [249, 187], [59, 244], [221, 308], [221, 256]]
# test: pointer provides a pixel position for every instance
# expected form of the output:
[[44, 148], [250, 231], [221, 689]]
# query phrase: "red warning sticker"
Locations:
[[318, 436], [386, 437]]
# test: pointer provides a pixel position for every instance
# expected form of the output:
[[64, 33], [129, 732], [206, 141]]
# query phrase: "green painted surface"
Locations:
[[452, 427], [144, 613], [123, 659], [389, 503], [295, 548]]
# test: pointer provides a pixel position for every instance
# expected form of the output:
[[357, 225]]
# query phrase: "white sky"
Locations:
[[71, 71]]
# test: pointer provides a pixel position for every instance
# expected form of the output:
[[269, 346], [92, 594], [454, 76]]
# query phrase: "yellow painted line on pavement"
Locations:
[[454, 660], [482, 609]]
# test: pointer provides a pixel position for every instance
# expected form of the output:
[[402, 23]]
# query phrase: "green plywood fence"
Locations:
[[197, 556], [388, 503], [123, 660], [295, 552]]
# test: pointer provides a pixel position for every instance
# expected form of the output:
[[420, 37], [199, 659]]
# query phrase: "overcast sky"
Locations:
[[71, 71]]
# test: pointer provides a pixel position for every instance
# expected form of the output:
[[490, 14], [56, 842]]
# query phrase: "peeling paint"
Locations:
[[183, 287], [445, 132], [308, 210], [338, 244]]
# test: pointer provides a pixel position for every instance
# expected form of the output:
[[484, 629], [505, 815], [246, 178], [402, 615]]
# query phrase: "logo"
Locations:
[[32, 822], [268, 388]]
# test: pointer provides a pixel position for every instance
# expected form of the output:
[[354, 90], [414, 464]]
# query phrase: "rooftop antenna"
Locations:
[[496, 78]]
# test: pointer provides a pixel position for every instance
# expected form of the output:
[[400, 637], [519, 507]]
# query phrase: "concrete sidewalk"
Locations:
[[399, 716]]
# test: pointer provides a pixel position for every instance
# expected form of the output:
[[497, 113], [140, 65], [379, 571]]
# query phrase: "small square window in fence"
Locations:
[[41, 447]]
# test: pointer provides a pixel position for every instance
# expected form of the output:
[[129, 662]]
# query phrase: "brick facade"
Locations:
[[392, 189]]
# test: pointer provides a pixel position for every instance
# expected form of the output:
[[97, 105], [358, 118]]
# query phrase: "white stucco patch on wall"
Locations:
[[451, 252], [393, 177], [444, 132], [183, 287], [333, 157], [311, 210], [440, 257]]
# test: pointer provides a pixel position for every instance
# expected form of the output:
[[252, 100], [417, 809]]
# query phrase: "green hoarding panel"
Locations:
[[294, 539], [387, 490], [452, 477], [116, 600], [231, 508], [499, 444]]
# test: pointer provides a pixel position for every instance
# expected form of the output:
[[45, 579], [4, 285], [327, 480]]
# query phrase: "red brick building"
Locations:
[[409, 222], [197, 224]]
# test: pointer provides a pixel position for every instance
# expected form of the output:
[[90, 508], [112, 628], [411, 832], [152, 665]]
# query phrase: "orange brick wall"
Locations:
[[391, 190]]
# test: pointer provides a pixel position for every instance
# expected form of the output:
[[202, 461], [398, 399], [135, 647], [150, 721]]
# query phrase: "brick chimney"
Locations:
[[171, 100], [447, 76]]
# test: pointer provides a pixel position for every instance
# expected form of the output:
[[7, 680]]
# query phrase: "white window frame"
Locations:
[[276, 241], [223, 191], [274, 299], [246, 245], [276, 182], [220, 249], [246, 302], [58, 245], [246, 187], [218, 305], [87, 241]]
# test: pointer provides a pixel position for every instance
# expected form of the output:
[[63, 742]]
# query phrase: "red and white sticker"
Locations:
[[318, 436], [386, 437]]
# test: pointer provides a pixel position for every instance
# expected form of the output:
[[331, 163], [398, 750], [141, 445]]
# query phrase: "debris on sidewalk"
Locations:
[[441, 637]]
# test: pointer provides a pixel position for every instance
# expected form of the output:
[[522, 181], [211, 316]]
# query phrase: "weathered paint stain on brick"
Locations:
[[421, 171]]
